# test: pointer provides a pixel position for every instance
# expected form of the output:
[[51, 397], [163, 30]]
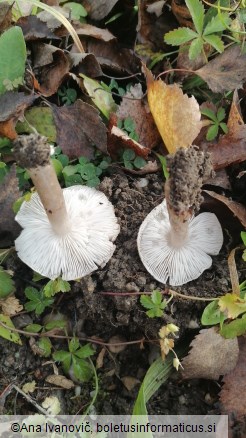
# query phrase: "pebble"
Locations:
[[142, 182], [132, 287]]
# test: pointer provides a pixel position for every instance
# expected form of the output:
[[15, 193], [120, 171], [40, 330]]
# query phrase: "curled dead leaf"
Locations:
[[237, 209], [59, 380], [130, 382], [204, 362]]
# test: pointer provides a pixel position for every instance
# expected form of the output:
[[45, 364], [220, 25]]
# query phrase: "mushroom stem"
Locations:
[[33, 153], [49, 190], [179, 221]]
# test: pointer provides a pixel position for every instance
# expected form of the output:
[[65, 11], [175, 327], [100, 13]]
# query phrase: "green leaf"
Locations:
[[45, 346], [195, 48], [211, 314], [85, 351], [100, 97], [146, 301], [209, 113], [180, 36], [234, 328], [129, 124], [65, 357], [215, 42], [7, 285], [128, 155], [156, 297], [243, 237], [164, 165], [8, 334], [220, 114], [83, 160], [12, 57], [77, 10], [40, 118], [156, 312], [224, 127], [212, 132], [38, 301], [103, 165], [3, 171], [197, 12], [82, 369], [70, 170], [33, 328], [58, 167], [55, 286], [87, 171], [73, 345], [217, 24], [58, 323], [73, 180], [93, 182], [139, 162]]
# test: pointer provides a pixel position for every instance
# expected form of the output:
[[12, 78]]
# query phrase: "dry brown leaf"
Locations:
[[139, 112], [176, 115], [9, 229], [130, 382], [100, 358], [86, 64], [233, 272], [33, 28], [211, 356], [52, 65], [237, 209], [5, 16], [233, 393], [99, 9], [59, 380], [93, 31], [118, 139], [10, 306], [226, 71], [182, 14], [12, 107]]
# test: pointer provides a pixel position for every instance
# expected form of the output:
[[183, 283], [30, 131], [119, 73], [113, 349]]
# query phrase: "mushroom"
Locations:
[[67, 232], [173, 243]]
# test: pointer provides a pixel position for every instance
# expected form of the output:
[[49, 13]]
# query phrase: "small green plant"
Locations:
[[216, 122], [37, 300], [131, 160], [75, 360], [85, 172], [128, 125], [207, 30], [116, 88], [55, 286], [7, 285], [155, 303], [77, 11], [243, 237], [67, 95]]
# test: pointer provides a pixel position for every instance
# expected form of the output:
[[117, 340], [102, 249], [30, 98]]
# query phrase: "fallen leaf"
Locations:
[[226, 71], [79, 128], [29, 387], [156, 7], [85, 63], [237, 209], [51, 21], [52, 65], [130, 382], [234, 140], [9, 228], [181, 13], [233, 393], [101, 98], [41, 119], [176, 115], [204, 362], [59, 380], [10, 306], [93, 31], [7, 333], [111, 55], [233, 272], [99, 10], [12, 107], [100, 358], [133, 106], [34, 29], [118, 139]]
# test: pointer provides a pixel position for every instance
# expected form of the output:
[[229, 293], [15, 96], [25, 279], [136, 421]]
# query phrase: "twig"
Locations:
[[30, 400]]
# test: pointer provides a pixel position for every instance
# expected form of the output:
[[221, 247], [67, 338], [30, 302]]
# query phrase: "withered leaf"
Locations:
[[79, 128], [204, 362], [233, 393], [226, 71], [52, 65], [9, 229], [176, 115], [182, 13], [130, 382], [237, 209], [59, 380], [10, 306], [93, 31], [139, 112], [86, 63], [33, 28], [110, 54], [12, 107], [99, 10], [118, 139]]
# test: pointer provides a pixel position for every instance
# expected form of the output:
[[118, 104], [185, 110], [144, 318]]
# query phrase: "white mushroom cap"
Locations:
[[166, 258], [87, 245]]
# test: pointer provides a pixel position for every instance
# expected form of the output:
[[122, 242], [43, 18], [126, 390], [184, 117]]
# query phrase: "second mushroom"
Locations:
[[174, 244], [69, 232]]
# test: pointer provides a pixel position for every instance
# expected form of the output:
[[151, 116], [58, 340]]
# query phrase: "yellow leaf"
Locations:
[[232, 305], [176, 115]]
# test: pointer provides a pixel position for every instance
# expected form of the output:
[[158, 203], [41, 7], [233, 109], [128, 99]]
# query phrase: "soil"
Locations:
[[92, 314]]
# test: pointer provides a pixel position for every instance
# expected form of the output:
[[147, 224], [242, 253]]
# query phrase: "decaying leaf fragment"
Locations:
[[211, 356], [236, 208], [10, 306], [226, 71], [176, 115], [59, 380], [233, 393]]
